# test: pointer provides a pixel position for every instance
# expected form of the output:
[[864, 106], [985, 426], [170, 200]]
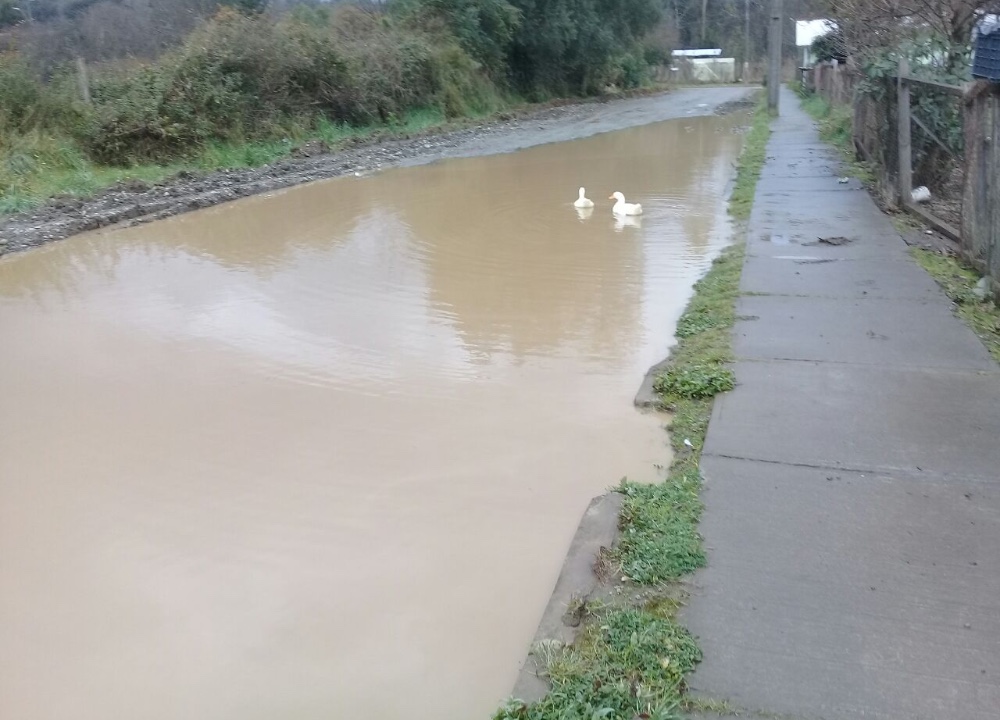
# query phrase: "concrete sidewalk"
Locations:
[[853, 477]]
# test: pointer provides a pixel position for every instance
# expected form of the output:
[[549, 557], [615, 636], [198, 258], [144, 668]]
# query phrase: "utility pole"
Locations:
[[704, 20], [746, 43], [774, 56]]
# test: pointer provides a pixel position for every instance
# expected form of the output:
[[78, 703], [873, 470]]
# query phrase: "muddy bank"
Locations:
[[135, 203]]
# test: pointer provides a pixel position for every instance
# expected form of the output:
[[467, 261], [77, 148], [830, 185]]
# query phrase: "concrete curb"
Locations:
[[647, 398], [577, 581]]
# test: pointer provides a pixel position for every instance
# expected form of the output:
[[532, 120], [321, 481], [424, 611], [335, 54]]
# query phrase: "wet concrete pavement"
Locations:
[[852, 489]]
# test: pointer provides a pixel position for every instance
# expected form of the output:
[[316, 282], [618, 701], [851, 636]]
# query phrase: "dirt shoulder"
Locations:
[[134, 203]]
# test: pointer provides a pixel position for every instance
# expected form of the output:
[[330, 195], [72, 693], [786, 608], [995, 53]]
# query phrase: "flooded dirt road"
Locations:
[[319, 454], [137, 203]]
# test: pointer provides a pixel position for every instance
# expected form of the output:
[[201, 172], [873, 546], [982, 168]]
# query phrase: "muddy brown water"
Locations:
[[320, 453]]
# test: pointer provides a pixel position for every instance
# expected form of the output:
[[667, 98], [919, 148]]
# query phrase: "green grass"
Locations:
[[631, 656], [659, 538], [35, 168], [626, 663], [834, 122], [958, 281], [835, 128], [696, 382], [750, 164]]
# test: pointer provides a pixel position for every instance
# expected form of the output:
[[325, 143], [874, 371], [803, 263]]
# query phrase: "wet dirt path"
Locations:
[[319, 453]]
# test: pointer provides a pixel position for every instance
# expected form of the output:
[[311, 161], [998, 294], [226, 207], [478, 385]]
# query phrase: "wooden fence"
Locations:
[[981, 203], [965, 191]]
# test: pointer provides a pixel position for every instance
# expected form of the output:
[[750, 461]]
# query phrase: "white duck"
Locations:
[[623, 208], [583, 201]]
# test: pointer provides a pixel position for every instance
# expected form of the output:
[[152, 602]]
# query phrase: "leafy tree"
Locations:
[[830, 47], [484, 28], [575, 46], [9, 14]]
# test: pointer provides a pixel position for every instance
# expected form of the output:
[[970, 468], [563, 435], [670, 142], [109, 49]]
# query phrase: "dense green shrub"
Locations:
[[241, 77], [578, 46], [830, 46], [19, 90], [26, 102], [484, 28], [244, 77], [545, 48]]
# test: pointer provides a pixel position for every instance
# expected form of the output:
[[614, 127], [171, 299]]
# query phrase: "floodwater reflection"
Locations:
[[320, 453]]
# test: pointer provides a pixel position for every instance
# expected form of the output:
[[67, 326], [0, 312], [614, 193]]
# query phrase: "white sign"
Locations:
[[808, 30], [713, 52]]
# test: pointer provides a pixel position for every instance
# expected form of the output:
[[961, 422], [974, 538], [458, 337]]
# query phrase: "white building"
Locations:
[[805, 32]]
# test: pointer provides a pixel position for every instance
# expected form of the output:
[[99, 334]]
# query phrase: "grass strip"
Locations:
[[52, 166], [631, 655], [836, 128], [959, 283]]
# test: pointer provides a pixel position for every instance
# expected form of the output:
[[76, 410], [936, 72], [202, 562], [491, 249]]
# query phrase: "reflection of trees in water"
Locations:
[[509, 258], [514, 263], [259, 235], [262, 234], [489, 245], [53, 274]]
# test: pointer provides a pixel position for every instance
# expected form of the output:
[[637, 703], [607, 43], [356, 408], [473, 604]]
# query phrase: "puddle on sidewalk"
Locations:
[[320, 454]]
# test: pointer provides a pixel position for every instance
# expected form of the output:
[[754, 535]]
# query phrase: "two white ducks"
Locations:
[[623, 208], [583, 201]]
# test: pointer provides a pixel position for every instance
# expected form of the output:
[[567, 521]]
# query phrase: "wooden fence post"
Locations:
[[903, 133], [989, 181], [82, 80]]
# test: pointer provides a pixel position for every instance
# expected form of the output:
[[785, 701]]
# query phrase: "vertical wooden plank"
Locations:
[[984, 165], [82, 80], [857, 122], [972, 159], [990, 185], [905, 179]]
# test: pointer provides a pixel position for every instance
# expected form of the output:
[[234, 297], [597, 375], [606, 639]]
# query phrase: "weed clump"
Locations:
[[659, 539], [695, 381], [628, 663]]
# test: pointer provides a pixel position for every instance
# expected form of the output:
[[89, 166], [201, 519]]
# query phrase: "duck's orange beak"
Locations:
[[611, 197]]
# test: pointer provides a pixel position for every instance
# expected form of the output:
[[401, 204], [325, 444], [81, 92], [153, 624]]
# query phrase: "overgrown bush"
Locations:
[[830, 46], [484, 28], [544, 49], [26, 102], [241, 77], [930, 58], [244, 77]]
